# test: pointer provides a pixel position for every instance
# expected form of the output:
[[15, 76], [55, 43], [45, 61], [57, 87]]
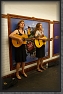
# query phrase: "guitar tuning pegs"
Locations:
[[56, 37]]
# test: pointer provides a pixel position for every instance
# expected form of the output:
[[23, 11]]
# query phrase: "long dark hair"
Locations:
[[19, 24]]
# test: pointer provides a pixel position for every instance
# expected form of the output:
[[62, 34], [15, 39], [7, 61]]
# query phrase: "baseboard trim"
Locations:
[[31, 68]]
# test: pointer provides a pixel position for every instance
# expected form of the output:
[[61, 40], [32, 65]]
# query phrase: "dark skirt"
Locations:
[[40, 52], [20, 54]]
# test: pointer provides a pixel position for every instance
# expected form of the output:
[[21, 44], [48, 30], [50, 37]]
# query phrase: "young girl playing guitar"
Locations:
[[40, 52], [20, 52]]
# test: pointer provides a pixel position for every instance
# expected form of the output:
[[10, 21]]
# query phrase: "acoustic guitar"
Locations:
[[16, 43], [24, 37], [42, 41]]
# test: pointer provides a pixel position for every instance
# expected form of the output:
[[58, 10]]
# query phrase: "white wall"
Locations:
[[44, 10]]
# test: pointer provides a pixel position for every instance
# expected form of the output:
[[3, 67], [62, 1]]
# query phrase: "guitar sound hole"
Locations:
[[23, 39], [39, 42], [17, 42]]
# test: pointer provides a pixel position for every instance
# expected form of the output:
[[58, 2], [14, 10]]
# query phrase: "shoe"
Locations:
[[24, 74], [18, 77], [39, 70]]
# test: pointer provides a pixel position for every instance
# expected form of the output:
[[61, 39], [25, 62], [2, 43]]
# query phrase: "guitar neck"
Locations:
[[44, 39], [50, 39], [25, 39]]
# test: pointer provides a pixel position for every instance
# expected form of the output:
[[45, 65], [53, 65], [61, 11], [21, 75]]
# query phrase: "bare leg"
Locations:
[[42, 64], [17, 70], [38, 64], [23, 72]]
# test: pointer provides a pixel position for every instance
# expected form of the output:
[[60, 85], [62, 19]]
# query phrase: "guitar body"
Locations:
[[16, 43], [39, 43]]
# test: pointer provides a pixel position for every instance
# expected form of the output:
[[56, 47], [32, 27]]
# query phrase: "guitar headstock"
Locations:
[[56, 37]]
